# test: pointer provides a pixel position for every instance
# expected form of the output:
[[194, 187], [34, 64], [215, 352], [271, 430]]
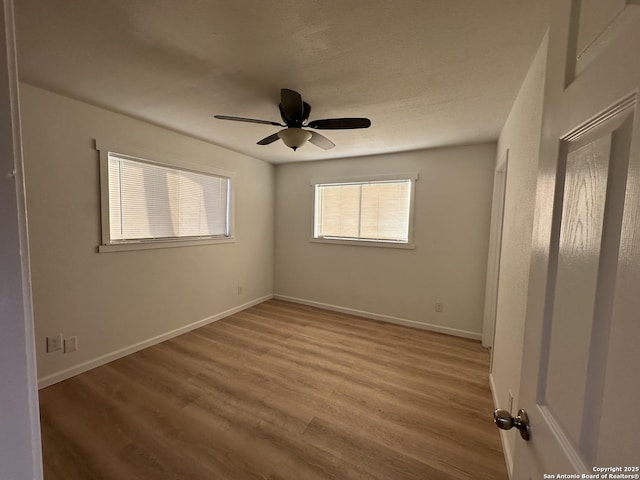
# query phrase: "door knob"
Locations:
[[504, 420]]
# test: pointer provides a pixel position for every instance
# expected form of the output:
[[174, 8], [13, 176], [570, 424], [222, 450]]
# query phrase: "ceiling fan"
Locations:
[[295, 115]]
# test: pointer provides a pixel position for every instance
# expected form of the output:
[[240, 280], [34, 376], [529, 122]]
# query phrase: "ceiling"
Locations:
[[428, 73]]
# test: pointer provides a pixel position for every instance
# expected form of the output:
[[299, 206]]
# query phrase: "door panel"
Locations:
[[576, 281], [596, 168], [595, 16], [617, 441], [597, 24]]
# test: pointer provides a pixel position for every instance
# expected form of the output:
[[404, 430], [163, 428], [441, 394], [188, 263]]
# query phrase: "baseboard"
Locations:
[[383, 318], [508, 455], [109, 357]]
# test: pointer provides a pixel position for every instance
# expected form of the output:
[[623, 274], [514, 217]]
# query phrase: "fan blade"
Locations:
[[269, 139], [340, 123], [292, 107], [321, 141], [249, 120], [306, 111]]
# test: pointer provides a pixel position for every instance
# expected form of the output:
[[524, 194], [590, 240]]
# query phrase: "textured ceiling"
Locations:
[[428, 73]]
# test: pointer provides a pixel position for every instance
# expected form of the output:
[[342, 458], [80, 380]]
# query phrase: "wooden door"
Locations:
[[580, 382]]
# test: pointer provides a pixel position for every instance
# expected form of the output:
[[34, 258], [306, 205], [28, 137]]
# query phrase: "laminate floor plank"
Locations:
[[280, 392], [417, 430]]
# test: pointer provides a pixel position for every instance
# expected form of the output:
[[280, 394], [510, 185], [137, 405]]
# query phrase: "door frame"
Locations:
[[495, 252], [20, 443]]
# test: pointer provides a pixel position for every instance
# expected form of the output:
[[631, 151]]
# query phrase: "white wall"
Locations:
[[114, 301], [521, 136], [452, 210]]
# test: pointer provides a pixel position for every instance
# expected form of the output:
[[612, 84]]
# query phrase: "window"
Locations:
[[148, 204], [366, 211]]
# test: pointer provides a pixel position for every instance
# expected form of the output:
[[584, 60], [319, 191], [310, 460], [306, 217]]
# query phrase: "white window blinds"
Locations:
[[151, 202], [374, 211]]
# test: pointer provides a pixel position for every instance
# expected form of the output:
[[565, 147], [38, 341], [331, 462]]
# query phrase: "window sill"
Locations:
[[364, 243], [123, 247]]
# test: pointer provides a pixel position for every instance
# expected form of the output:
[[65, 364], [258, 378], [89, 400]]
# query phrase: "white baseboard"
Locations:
[[383, 318], [508, 454], [109, 357]]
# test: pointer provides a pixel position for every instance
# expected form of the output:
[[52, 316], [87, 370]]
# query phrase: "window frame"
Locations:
[[409, 176], [132, 153]]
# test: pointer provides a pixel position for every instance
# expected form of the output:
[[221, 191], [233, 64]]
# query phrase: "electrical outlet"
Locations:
[[70, 344], [439, 307], [240, 289], [54, 343]]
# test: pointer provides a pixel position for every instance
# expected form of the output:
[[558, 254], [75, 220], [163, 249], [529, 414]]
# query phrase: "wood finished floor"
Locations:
[[279, 391]]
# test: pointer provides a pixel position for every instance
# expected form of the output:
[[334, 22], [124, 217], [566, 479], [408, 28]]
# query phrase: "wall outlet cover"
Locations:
[[54, 343]]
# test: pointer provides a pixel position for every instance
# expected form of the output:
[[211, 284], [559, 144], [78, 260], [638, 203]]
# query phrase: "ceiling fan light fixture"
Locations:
[[294, 138], [295, 113]]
